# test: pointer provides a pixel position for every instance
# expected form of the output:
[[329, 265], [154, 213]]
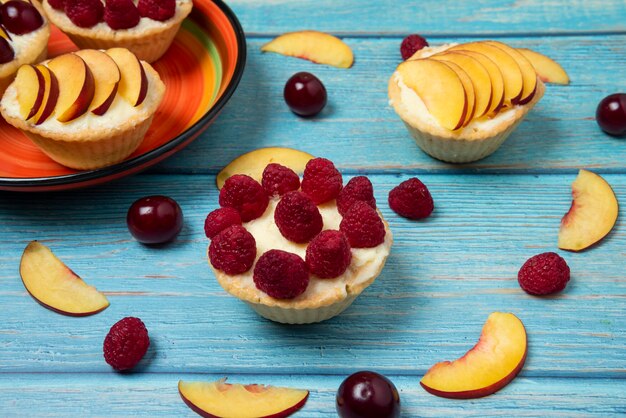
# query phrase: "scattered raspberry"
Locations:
[[244, 194], [321, 181], [543, 274], [328, 255], [411, 44], [83, 13], [411, 199], [219, 220], [57, 4], [160, 10], [278, 180], [233, 250], [281, 275], [126, 343], [297, 217], [363, 226], [358, 188], [121, 14]]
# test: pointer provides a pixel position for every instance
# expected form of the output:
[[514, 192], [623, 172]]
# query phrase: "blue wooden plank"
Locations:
[[360, 132], [444, 276], [115, 395], [430, 17]]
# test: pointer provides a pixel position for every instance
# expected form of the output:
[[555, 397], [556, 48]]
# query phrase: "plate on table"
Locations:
[[201, 70]]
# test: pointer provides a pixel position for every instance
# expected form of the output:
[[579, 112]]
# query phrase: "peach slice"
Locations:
[[529, 75], [221, 399], [315, 46], [253, 163], [440, 88], [133, 85], [76, 86], [490, 365], [30, 86], [57, 287], [497, 82], [107, 77], [50, 95], [511, 73], [592, 215], [548, 70], [479, 76], [469, 90]]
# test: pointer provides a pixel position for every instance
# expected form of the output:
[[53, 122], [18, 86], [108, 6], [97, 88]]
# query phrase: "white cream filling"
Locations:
[[119, 112], [365, 262], [19, 42]]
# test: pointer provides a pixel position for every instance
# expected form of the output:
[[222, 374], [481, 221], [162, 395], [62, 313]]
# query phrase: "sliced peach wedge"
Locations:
[[592, 215], [529, 75], [50, 95], [548, 70], [220, 399], [107, 78], [30, 90], [497, 82], [56, 286], [253, 163], [133, 85], [76, 86], [319, 47], [490, 365]]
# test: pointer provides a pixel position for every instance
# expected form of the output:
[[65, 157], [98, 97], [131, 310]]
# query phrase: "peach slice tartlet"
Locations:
[[24, 34], [145, 27], [87, 109], [461, 101], [297, 251]]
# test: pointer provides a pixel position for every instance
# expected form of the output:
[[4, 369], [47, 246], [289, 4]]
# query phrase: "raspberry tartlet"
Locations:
[[291, 255], [145, 27], [461, 101], [24, 34], [87, 109]]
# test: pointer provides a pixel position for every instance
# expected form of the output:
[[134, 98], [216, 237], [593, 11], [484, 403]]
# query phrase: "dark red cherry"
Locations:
[[305, 94], [20, 17], [154, 219], [6, 52], [368, 395], [611, 114]]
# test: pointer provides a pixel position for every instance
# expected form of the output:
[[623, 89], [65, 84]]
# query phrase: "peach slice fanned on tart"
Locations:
[[85, 110]]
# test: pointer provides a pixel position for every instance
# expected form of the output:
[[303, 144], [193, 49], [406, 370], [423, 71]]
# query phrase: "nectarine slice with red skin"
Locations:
[[253, 163], [440, 88], [548, 70], [50, 97], [591, 216], [30, 86], [76, 86], [133, 85], [318, 47], [55, 286], [529, 75], [490, 365], [220, 399], [106, 76], [497, 82]]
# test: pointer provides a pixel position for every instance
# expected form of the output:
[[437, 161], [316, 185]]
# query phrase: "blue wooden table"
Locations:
[[444, 275]]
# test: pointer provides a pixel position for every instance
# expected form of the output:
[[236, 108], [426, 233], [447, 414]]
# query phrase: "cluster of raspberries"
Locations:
[[118, 14], [278, 273]]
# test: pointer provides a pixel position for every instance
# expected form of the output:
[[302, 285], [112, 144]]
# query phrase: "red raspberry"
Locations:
[[281, 275], [244, 194], [84, 13], [121, 14], [411, 199], [297, 217], [544, 274], [278, 180], [126, 343], [358, 188], [57, 4], [321, 180], [219, 220], [233, 250], [411, 44], [363, 226], [160, 10], [328, 255]]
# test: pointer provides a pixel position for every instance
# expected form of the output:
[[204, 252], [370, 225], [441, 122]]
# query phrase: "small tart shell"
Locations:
[[463, 145], [302, 310], [149, 44], [91, 149], [36, 51]]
